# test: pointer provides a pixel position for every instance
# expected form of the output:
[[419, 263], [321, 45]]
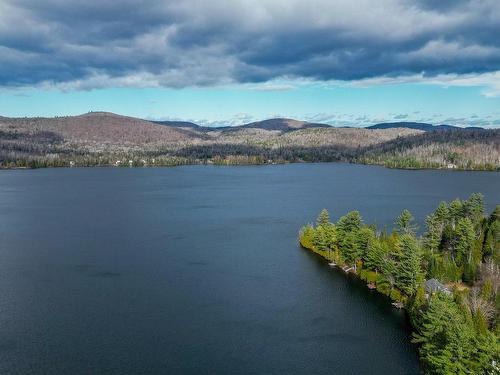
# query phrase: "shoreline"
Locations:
[[350, 271], [230, 164]]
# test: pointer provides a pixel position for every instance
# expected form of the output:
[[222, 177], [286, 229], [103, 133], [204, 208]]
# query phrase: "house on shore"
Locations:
[[434, 286]]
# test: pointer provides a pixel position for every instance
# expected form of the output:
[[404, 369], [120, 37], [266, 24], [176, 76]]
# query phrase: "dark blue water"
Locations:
[[196, 270]]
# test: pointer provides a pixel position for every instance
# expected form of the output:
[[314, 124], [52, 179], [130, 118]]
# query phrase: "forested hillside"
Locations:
[[448, 279], [105, 139], [469, 149]]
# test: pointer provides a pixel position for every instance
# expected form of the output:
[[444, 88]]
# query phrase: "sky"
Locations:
[[228, 62]]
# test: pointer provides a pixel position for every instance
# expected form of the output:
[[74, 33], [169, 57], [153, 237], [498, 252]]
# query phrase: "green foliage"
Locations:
[[474, 206], [464, 240], [432, 238], [306, 236], [406, 223], [325, 234], [409, 273], [352, 237], [487, 290], [458, 238], [491, 245], [449, 343], [383, 285], [349, 247], [374, 258], [362, 274], [419, 299], [371, 276], [350, 222], [456, 211], [396, 295], [456, 334], [365, 236], [442, 212], [323, 218]]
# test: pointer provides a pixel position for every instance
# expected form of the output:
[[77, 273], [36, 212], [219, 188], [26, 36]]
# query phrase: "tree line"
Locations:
[[456, 326], [460, 149]]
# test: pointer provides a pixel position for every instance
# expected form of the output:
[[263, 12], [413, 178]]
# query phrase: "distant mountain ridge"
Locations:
[[178, 124], [273, 124], [287, 124], [419, 126], [282, 124]]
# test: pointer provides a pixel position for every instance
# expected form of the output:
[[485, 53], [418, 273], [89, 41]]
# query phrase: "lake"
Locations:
[[196, 269]]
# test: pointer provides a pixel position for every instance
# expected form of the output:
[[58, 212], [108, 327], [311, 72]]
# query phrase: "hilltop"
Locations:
[[179, 124], [282, 124], [419, 126]]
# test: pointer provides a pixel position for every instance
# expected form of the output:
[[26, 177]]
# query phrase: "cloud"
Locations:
[[88, 44], [489, 81], [270, 86]]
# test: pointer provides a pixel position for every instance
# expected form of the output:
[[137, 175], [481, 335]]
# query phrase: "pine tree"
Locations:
[[374, 259], [365, 236], [320, 238], [324, 237], [323, 218], [405, 223], [442, 213], [449, 343], [408, 271], [464, 241], [474, 206], [456, 210], [350, 222], [491, 244], [349, 247], [432, 237]]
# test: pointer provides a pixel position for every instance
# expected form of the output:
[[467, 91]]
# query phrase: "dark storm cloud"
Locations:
[[88, 44]]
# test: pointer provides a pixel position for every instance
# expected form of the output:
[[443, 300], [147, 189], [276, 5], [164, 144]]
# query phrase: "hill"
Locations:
[[281, 124], [100, 138], [179, 124], [96, 128], [456, 149], [418, 126]]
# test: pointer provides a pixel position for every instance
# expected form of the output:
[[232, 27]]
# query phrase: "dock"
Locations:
[[398, 305]]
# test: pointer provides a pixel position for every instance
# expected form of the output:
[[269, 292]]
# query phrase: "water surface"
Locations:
[[196, 270]]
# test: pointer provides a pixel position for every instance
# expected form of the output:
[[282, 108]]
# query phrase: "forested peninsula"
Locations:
[[447, 279]]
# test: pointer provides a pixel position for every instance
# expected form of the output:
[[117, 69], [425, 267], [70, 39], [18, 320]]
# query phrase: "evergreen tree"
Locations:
[[442, 213], [405, 223], [456, 335], [349, 247], [323, 218], [455, 211], [324, 237], [350, 222], [374, 259], [464, 241], [365, 236], [491, 245], [320, 239], [449, 343], [347, 231], [432, 237], [474, 206], [408, 271]]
